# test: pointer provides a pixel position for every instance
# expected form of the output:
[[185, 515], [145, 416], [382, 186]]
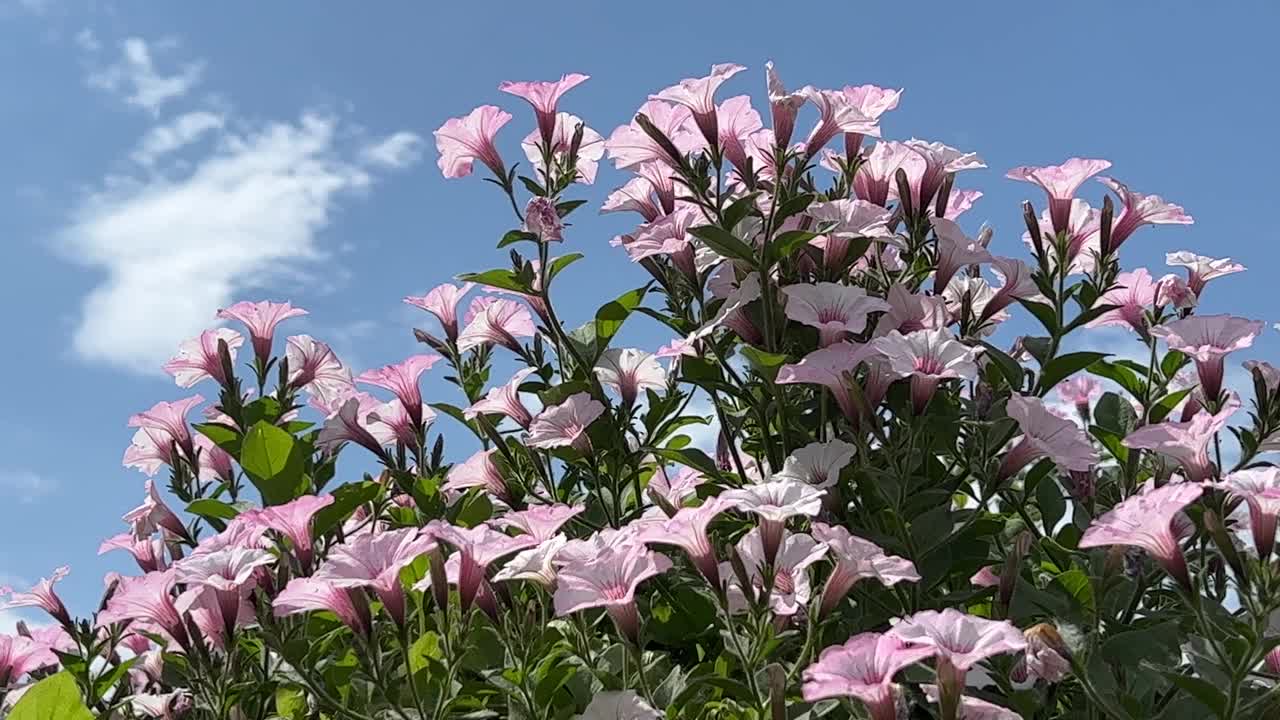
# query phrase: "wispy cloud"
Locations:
[[397, 151], [182, 131], [26, 486], [137, 79]]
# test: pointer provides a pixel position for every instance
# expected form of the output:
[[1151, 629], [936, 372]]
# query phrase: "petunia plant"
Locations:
[[923, 496]]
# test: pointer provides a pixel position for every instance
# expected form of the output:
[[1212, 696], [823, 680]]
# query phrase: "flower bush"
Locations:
[[899, 518]]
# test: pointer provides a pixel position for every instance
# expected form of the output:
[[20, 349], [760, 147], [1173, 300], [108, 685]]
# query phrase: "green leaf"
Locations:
[[211, 509], [346, 498], [1162, 407], [1157, 644], [551, 683], [227, 438], [273, 461], [1120, 375], [54, 698], [609, 318], [788, 242], [1172, 363], [565, 207], [1115, 414], [423, 650], [501, 279], [561, 263], [724, 242], [291, 702], [1064, 366], [1076, 583], [1043, 313], [1202, 690], [739, 209], [1051, 502], [689, 457], [1009, 367], [764, 363], [514, 236], [795, 205]]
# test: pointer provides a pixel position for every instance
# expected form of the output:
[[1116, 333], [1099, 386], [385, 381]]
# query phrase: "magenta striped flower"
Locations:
[[609, 580], [1138, 210], [698, 95], [687, 530], [480, 471], [293, 521], [198, 360], [462, 141], [442, 302], [42, 596], [478, 548], [1186, 442], [311, 594], [166, 422], [498, 322], [1208, 339], [504, 400], [857, 559], [540, 522], [565, 425]]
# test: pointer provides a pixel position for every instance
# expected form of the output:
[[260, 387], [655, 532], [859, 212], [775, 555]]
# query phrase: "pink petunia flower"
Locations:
[[862, 668], [198, 360], [148, 451], [972, 708], [164, 706], [166, 422], [1084, 227], [312, 594], [540, 522], [818, 463], [41, 596], [1045, 434], [960, 202], [774, 503], [635, 196], [478, 548], [875, 181], [21, 655], [153, 514], [1260, 490], [791, 589], [627, 371], [565, 425], [783, 106], [1208, 339], [402, 380], [1185, 442], [687, 530], [609, 581], [374, 560], [927, 357], [1201, 269], [261, 319], [955, 251], [856, 559], [590, 149], [480, 471], [293, 521], [960, 641], [1139, 210], [1016, 283], [629, 145], [737, 121], [618, 705], [148, 599], [1061, 183], [148, 552], [837, 113], [462, 141], [939, 161], [1135, 293], [833, 367], [536, 565], [835, 310], [346, 426], [504, 400], [698, 94], [1080, 392], [542, 219], [225, 577], [871, 101], [498, 322], [314, 367], [442, 302], [544, 96], [675, 490], [1146, 521]]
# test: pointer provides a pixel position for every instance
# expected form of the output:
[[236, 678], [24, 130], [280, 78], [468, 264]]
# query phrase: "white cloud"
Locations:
[[184, 130], [26, 486], [396, 151], [135, 75]]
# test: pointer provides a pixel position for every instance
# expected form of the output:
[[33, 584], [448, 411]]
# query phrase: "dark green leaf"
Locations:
[[514, 236], [1121, 375], [1202, 690], [1051, 502], [273, 461], [690, 457], [561, 263], [786, 243], [501, 279], [210, 508], [1162, 407], [564, 207], [1064, 366], [346, 498], [1009, 367], [724, 242], [609, 318], [794, 206], [1043, 313]]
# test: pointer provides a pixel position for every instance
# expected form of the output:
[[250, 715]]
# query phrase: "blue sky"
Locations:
[[162, 160]]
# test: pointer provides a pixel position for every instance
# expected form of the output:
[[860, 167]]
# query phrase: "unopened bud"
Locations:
[[904, 192], [1104, 226]]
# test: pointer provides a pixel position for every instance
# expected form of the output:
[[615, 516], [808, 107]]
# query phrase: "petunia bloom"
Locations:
[[955, 250], [875, 180], [166, 422], [1083, 239], [261, 319], [1016, 283], [147, 599], [791, 589], [698, 94], [504, 400], [345, 426], [609, 581], [687, 530], [1080, 392], [42, 596], [960, 641], [630, 146], [842, 221], [862, 668], [837, 113], [566, 424], [309, 594], [783, 106], [293, 521], [1134, 294], [818, 463], [1060, 182], [497, 322], [833, 367], [1146, 521], [478, 548], [462, 141], [627, 371], [927, 357], [835, 310], [1045, 434], [856, 559], [939, 161], [374, 560], [971, 708], [541, 218], [540, 522], [148, 552], [590, 149], [1201, 269], [774, 503], [1139, 210], [442, 302], [402, 380], [1260, 490], [314, 366], [544, 96], [153, 514], [618, 705], [198, 360], [21, 655], [871, 101], [536, 564], [225, 577], [1185, 442], [1208, 339], [737, 121]]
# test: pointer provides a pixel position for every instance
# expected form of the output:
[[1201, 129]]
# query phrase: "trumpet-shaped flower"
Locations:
[[541, 522], [537, 564], [1260, 490], [1060, 182], [927, 357], [544, 96], [442, 302], [630, 145], [153, 514], [1185, 442], [955, 250], [261, 319], [835, 310], [21, 655], [737, 121], [871, 101], [480, 471], [783, 106], [314, 367], [374, 560], [818, 463], [1208, 339], [166, 422], [618, 705], [148, 599], [862, 668], [959, 641], [856, 559], [41, 596], [1080, 392], [1146, 521], [478, 548], [1134, 294], [311, 594], [402, 380], [972, 708], [833, 367], [293, 521], [687, 530], [148, 552], [198, 360], [609, 581], [1201, 269], [498, 322], [837, 113], [504, 400], [627, 371], [774, 503], [875, 180], [1045, 434], [698, 94], [565, 425], [791, 589], [225, 578], [462, 141], [346, 426], [1139, 210], [590, 149], [939, 161]]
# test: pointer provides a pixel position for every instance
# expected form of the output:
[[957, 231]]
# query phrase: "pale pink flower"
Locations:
[[225, 577], [1201, 269], [579, 551], [783, 106], [791, 589], [927, 357], [939, 161], [972, 708], [590, 150], [166, 422], [21, 655], [544, 96], [1045, 656], [687, 530], [1080, 392], [504, 400], [1139, 210], [627, 371], [675, 490], [1134, 295], [148, 552], [1173, 290], [1208, 339], [955, 251], [976, 294], [698, 94], [1084, 227], [618, 705], [390, 423], [153, 514], [862, 668], [148, 451], [910, 312], [856, 559], [541, 522], [1045, 434], [311, 594], [1016, 283], [346, 426], [261, 318], [871, 101], [1270, 374], [629, 145], [669, 235], [1061, 183], [837, 113], [1260, 489], [835, 310], [165, 706], [41, 596], [774, 503], [566, 424], [537, 564], [732, 313], [478, 548], [1146, 521], [541, 218], [375, 560], [609, 581], [293, 521], [197, 358], [462, 141], [314, 366], [635, 196], [833, 367], [442, 302], [238, 533], [875, 180], [215, 464], [148, 599], [402, 380], [850, 219], [960, 202], [818, 463], [737, 121], [1185, 442], [480, 471], [499, 322], [960, 641], [985, 578]]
